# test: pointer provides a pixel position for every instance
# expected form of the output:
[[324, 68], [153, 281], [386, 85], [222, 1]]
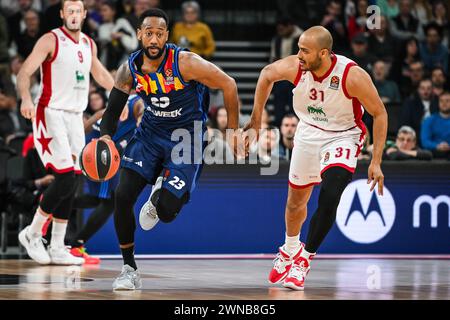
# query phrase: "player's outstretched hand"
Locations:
[[27, 109], [375, 175]]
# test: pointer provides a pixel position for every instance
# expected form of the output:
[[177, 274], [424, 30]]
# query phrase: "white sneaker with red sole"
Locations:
[[295, 279], [282, 264]]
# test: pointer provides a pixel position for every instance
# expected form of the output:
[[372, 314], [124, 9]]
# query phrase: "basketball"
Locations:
[[99, 160]]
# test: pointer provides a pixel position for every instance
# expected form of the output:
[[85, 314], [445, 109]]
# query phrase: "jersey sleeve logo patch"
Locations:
[[334, 83]]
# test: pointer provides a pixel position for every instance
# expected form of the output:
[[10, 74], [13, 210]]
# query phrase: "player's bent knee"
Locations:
[[169, 205]]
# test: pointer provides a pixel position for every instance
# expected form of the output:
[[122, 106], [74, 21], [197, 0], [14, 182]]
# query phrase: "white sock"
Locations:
[[58, 234], [37, 224], [307, 255], [292, 244]]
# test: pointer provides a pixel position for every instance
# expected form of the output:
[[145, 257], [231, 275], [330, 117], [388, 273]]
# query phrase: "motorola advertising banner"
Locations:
[[236, 210]]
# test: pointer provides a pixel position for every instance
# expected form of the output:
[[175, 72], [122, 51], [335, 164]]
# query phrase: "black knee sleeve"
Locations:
[[62, 188], [334, 182], [168, 205]]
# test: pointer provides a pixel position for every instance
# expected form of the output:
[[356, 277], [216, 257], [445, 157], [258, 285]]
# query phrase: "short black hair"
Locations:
[[154, 13], [434, 26]]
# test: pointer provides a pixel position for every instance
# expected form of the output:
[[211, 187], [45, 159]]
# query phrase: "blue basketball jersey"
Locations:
[[170, 102]]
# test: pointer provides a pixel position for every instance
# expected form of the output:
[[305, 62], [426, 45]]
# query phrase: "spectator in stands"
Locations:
[[436, 129], [421, 10], [387, 89], [16, 23], [404, 25], [4, 40], [28, 38], [94, 111], [220, 120], [356, 17], [360, 53], [11, 7], [218, 149], [116, 36], [419, 106], [51, 16], [284, 44], [439, 81], [409, 84], [432, 51], [139, 7], [388, 8], [381, 43], [408, 54], [334, 21], [193, 34], [405, 147], [287, 130], [440, 17], [9, 122]]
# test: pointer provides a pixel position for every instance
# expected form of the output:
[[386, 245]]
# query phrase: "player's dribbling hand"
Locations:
[[375, 175], [105, 137], [27, 109]]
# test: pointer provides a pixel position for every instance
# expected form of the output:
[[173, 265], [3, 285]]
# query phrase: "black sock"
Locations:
[[128, 257]]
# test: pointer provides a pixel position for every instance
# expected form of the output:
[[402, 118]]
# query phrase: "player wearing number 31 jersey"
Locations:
[[329, 96]]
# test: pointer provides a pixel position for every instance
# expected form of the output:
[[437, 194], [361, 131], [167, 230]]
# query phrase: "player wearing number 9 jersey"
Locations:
[[329, 96], [173, 84]]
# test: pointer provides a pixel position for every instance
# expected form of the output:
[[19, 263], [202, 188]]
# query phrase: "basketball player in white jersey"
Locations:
[[66, 58], [329, 95]]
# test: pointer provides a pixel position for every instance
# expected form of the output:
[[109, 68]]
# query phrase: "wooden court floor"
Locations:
[[229, 279]]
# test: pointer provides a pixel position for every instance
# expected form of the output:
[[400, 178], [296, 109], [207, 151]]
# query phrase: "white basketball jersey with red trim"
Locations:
[[65, 78], [324, 102]]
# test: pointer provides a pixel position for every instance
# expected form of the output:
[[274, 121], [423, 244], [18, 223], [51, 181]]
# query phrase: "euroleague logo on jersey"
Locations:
[[334, 83], [169, 77], [364, 216]]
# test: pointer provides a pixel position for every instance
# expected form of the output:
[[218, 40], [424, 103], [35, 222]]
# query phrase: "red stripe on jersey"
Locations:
[[68, 35], [56, 47], [299, 75], [91, 42], [333, 63], [46, 94], [358, 113], [344, 78]]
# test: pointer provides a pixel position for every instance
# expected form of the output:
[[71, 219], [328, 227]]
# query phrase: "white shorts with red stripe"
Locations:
[[316, 150], [59, 138]]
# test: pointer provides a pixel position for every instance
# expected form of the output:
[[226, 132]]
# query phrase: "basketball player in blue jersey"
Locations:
[[174, 86], [100, 195]]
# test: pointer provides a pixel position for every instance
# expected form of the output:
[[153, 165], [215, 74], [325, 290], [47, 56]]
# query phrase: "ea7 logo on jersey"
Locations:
[[363, 216], [334, 83]]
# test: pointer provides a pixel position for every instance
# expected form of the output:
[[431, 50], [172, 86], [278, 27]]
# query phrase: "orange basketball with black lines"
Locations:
[[99, 160]]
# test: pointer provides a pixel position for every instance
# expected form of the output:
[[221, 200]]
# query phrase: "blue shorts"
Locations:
[[179, 163], [102, 190]]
